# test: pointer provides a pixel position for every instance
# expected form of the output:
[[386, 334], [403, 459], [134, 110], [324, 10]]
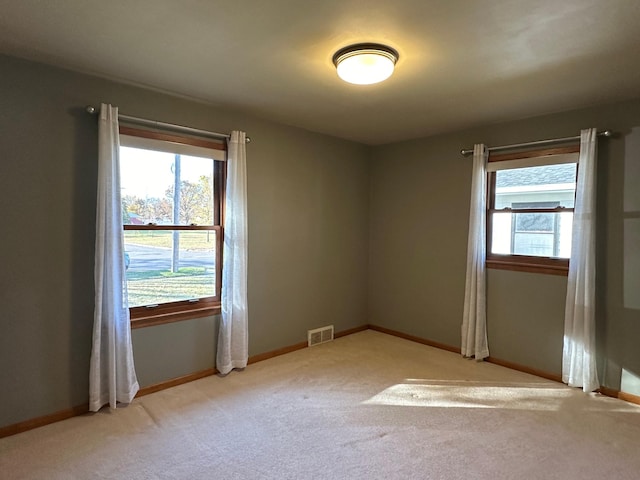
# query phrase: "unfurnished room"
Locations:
[[320, 240]]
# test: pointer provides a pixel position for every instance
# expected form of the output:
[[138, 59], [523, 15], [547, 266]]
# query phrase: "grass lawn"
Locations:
[[199, 240], [161, 286]]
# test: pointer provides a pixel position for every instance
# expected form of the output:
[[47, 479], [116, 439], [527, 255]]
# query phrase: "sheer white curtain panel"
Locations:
[[112, 377], [579, 351], [232, 349], [474, 321]]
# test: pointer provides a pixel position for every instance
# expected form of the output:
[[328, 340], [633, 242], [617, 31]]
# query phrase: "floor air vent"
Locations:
[[320, 335]]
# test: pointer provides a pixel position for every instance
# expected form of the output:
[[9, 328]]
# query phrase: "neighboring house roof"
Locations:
[[545, 175]]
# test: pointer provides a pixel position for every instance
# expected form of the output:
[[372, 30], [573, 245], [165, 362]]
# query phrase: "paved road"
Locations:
[[144, 258]]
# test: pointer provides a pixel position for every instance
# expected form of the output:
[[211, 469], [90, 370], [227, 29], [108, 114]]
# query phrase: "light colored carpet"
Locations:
[[366, 406]]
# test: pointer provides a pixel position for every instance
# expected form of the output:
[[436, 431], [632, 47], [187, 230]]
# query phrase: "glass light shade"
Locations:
[[365, 65]]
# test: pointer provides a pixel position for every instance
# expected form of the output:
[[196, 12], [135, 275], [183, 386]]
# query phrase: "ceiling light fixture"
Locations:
[[365, 63]]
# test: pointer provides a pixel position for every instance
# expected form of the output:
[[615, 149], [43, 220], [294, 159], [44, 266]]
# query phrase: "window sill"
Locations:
[[548, 266], [160, 318]]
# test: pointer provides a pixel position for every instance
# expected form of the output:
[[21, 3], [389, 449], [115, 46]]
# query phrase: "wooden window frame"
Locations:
[[523, 263], [145, 316]]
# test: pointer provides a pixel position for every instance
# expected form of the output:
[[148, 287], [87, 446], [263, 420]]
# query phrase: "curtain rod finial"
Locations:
[[91, 109]]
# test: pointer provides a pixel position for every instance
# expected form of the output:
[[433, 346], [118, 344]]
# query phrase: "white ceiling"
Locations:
[[462, 62]]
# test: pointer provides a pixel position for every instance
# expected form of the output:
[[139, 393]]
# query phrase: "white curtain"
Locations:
[[233, 335], [112, 377], [474, 321], [579, 352]]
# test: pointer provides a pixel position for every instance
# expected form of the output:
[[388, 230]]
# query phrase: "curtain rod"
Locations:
[[606, 133], [167, 126]]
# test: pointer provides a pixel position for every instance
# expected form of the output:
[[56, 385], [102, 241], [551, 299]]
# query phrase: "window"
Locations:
[[172, 190], [530, 202]]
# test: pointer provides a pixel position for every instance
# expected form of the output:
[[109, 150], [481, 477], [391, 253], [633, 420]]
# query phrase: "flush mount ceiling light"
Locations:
[[365, 63]]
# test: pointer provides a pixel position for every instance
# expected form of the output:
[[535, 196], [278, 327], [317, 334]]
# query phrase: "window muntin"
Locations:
[[530, 211], [171, 203]]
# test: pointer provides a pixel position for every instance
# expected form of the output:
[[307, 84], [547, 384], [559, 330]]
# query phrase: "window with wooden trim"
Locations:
[[530, 202], [172, 190]]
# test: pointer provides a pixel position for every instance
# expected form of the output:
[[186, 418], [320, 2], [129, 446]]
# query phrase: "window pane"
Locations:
[[169, 265], [547, 186], [536, 234], [165, 188], [534, 223]]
